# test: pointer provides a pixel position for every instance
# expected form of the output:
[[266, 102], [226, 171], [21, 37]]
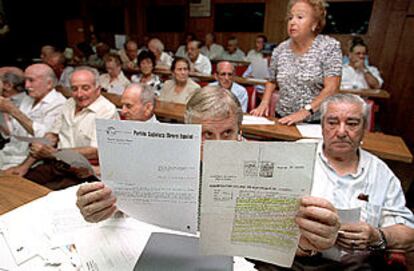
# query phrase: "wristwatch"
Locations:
[[381, 244], [308, 108]]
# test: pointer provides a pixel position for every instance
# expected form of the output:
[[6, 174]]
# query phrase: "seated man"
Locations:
[[198, 62], [73, 129], [128, 55], [224, 76], [182, 49], [114, 81], [57, 62], [163, 60], [257, 51], [34, 116], [211, 49], [138, 101], [233, 53], [97, 60], [357, 74], [220, 115], [350, 177]]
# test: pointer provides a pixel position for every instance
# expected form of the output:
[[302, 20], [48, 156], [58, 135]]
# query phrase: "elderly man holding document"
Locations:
[[220, 115]]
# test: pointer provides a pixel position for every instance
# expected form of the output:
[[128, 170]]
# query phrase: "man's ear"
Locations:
[[148, 109]]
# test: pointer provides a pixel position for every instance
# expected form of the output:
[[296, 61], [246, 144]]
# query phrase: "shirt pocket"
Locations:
[[371, 213]]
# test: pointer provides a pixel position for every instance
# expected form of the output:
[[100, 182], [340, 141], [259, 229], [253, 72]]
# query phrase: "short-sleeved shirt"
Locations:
[[168, 93], [80, 130], [301, 77], [42, 115], [202, 64], [214, 52], [238, 55], [353, 79], [155, 82], [116, 86]]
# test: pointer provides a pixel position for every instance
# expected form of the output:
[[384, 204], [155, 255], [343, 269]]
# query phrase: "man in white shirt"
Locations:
[[233, 53], [198, 62], [73, 129], [114, 81], [138, 103], [163, 59], [35, 115], [257, 51], [350, 177], [224, 76], [129, 55], [357, 74], [211, 49]]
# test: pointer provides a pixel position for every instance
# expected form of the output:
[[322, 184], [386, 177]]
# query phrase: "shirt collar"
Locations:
[[362, 162]]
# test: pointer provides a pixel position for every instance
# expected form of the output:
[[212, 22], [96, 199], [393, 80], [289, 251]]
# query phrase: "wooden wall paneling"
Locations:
[[378, 25], [411, 9], [75, 31], [403, 119], [275, 20]]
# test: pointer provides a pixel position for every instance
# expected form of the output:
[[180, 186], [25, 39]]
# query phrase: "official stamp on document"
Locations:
[[266, 169]]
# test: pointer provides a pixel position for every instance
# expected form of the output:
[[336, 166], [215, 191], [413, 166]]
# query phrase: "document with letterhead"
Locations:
[[250, 196], [153, 170]]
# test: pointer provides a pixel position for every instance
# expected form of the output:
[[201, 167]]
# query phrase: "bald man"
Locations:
[[225, 78], [35, 115], [138, 103]]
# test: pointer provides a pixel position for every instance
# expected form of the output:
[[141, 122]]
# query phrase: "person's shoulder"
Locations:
[[373, 162], [192, 84], [326, 40], [238, 87]]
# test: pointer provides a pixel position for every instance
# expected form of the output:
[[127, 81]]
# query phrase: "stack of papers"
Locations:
[[310, 130], [253, 120]]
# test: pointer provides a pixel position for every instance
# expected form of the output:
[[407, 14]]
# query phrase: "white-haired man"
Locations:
[[34, 116]]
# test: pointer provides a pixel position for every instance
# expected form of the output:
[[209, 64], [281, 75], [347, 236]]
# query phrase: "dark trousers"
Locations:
[[54, 176]]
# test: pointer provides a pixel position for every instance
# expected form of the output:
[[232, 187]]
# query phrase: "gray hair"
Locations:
[[15, 80], [345, 98], [51, 75], [93, 71], [158, 43], [222, 62], [147, 94], [213, 102]]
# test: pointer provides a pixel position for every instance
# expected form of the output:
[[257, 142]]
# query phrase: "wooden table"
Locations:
[[16, 191], [384, 146], [369, 93]]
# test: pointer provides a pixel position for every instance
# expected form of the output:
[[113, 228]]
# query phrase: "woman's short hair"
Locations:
[[112, 57], [16, 81], [213, 102], [146, 55], [357, 41], [318, 6], [178, 59], [345, 98]]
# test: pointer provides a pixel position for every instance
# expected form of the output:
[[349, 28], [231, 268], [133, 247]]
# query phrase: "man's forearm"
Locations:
[[23, 120], [399, 237]]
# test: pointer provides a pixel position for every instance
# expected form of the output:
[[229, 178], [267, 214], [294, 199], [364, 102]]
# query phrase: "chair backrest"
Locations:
[[252, 96]]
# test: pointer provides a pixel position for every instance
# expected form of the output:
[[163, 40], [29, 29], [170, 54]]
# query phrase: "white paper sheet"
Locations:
[[253, 120], [345, 216], [310, 130], [153, 169], [250, 193], [29, 139]]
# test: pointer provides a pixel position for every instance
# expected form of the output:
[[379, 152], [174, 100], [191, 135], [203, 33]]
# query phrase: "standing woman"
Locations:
[[306, 68], [181, 87]]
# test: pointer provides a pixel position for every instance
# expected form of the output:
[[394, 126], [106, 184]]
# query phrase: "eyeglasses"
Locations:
[[226, 73]]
